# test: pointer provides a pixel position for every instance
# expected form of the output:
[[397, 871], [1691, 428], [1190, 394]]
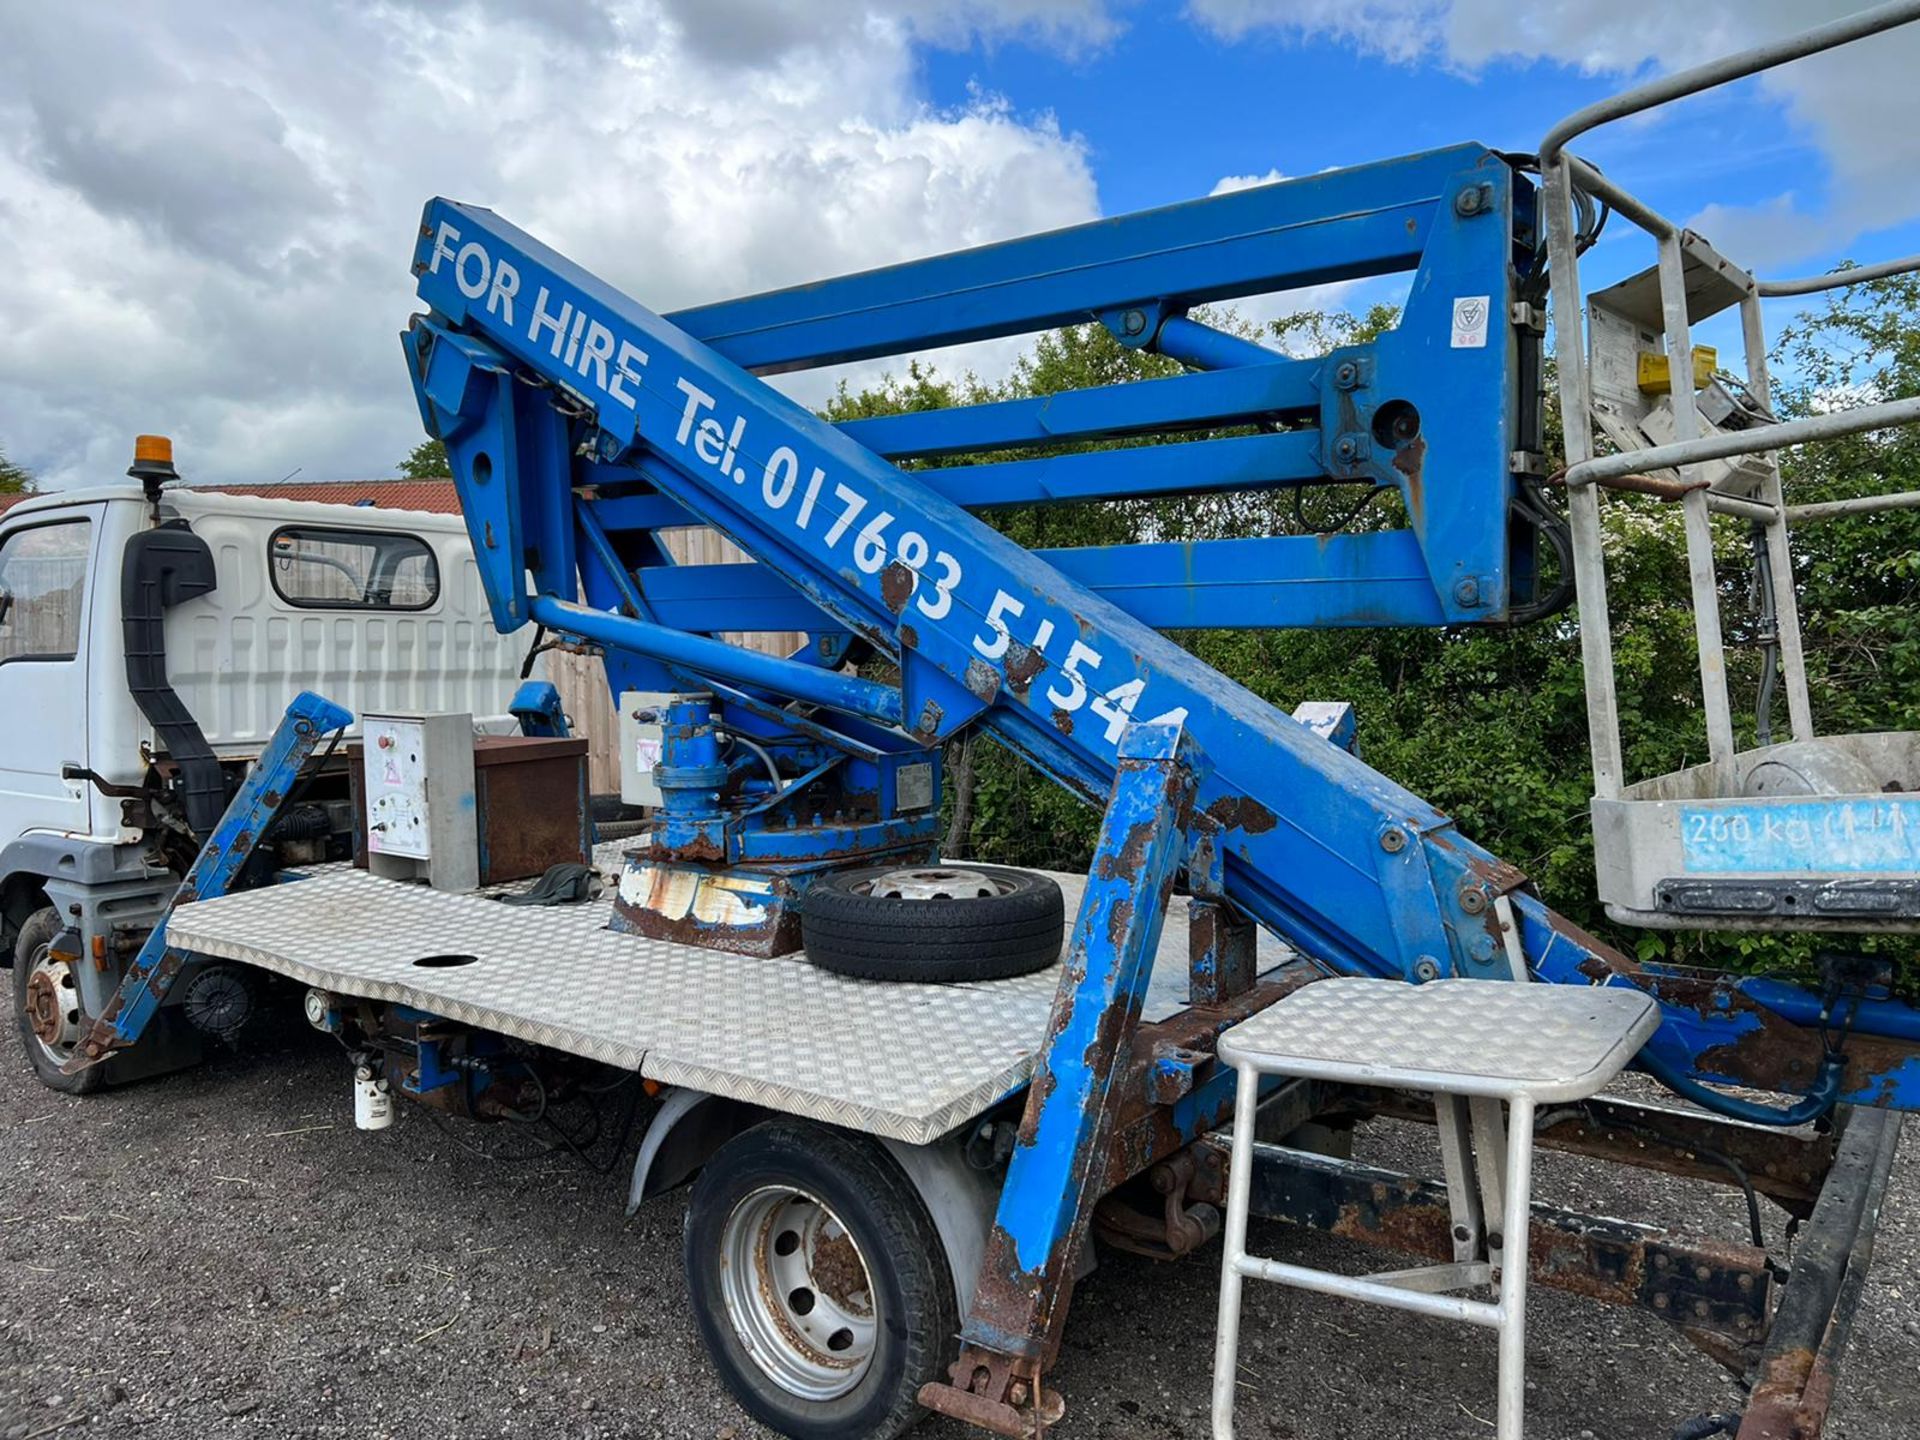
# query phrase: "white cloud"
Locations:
[[1227, 184], [754, 31], [206, 217], [1845, 101], [1396, 29], [1768, 237], [1594, 35]]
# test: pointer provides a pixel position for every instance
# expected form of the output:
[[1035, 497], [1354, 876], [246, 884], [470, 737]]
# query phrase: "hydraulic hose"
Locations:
[[1824, 1095]]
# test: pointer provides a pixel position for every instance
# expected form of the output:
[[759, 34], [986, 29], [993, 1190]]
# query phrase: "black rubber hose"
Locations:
[[161, 568]]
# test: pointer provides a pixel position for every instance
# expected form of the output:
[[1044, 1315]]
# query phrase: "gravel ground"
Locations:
[[221, 1253]]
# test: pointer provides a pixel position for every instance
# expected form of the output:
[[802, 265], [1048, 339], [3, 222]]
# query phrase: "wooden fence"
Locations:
[[582, 679]]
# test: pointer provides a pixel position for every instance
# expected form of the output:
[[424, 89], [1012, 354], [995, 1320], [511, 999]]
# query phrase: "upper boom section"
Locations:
[[1441, 412], [1340, 225]]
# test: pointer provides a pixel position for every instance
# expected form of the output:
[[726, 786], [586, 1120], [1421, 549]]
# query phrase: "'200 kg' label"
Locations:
[[1860, 837]]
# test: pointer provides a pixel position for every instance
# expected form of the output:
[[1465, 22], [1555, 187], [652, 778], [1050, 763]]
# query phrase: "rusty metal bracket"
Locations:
[[1786, 1167], [1145, 1133], [998, 1393], [1181, 1226], [1222, 962]]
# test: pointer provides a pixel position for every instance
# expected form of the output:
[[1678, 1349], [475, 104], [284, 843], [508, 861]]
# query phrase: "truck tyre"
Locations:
[[819, 1282], [933, 922], [46, 1003]]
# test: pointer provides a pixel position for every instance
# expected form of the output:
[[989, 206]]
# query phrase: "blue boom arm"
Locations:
[[579, 424]]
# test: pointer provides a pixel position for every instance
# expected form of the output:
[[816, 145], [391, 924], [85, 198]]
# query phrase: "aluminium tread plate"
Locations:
[[1466, 1037], [909, 1062]]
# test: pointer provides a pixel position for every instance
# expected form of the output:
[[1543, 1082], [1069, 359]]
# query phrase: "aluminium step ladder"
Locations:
[[1475, 1045]]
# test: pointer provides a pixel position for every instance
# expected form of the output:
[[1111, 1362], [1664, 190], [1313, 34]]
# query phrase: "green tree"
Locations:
[[14, 479], [1859, 576], [426, 461]]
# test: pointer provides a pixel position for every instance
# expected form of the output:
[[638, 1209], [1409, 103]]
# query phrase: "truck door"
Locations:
[[46, 581]]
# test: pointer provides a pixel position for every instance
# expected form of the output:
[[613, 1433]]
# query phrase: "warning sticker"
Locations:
[[1470, 313]]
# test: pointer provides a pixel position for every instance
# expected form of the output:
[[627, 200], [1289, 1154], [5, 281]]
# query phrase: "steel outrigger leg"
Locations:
[[309, 719], [1059, 1163]]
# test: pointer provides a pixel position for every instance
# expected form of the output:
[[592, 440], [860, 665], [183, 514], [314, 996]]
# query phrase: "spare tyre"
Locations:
[[933, 922]]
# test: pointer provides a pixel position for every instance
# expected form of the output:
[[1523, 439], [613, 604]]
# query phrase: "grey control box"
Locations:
[[417, 785]]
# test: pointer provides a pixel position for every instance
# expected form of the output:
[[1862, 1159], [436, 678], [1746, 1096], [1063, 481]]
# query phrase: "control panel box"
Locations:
[[417, 787]]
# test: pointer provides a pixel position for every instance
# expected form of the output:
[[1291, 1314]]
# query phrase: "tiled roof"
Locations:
[[437, 496]]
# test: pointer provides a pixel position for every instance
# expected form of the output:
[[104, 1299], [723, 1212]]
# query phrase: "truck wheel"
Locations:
[[47, 1004], [933, 922], [819, 1283]]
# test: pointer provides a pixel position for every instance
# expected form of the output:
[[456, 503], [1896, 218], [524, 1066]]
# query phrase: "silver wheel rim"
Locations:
[[54, 1015], [936, 882], [798, 1292]]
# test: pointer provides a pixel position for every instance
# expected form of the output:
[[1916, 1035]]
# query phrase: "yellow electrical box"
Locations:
[[1656, 374]]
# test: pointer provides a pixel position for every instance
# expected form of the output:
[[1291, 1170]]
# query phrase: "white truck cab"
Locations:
[[147, 651]]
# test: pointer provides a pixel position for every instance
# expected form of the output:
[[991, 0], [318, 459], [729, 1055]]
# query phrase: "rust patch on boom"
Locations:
[[1242, 812], [1410, 460], [1023, 663], [896, 586]]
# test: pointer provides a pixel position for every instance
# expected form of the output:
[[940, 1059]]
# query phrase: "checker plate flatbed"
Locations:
[[907, 1062]]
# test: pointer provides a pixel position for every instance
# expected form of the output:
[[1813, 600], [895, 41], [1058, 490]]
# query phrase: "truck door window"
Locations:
[[324, 567], [43, 583]]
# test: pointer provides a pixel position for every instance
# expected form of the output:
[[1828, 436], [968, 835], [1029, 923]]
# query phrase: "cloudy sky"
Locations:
[[206, 210]]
